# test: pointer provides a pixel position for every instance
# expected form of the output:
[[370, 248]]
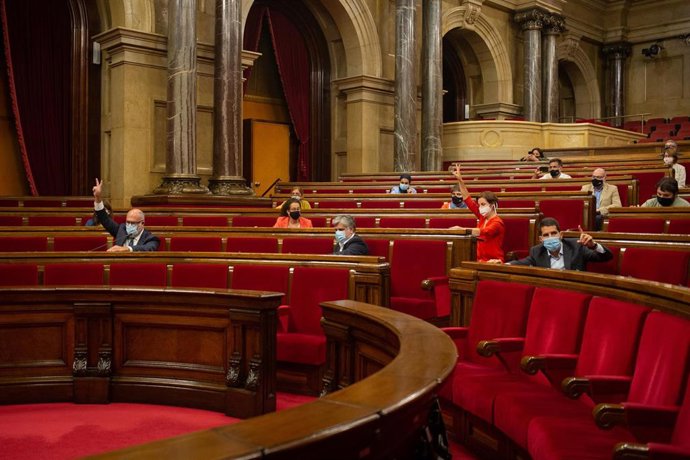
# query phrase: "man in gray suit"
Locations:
[[563, 253]]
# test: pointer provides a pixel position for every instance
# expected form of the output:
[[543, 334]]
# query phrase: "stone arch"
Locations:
[[354, 27], [583, 77], [490, 49], [130, 14]]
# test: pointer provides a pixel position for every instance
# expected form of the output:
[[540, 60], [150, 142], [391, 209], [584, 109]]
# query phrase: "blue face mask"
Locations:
[[340, 236], [404, 187], [552, 244], [131, 229]]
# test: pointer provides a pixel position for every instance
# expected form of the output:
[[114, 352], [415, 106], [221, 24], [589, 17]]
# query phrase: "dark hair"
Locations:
[[490, 197], [668, 184], [284, 208], [406, 176], [541, 152], [549, 222], [674, 156], [455, 188], [557, 160]]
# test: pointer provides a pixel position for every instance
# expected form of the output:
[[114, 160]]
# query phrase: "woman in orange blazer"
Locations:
[[290, 216]]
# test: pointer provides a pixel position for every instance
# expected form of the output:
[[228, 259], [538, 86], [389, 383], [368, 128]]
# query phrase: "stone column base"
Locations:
[[181, 185], [227, 186]]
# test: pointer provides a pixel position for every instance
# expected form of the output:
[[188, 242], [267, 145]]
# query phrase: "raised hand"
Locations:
[[97, 189], [456, 171], [585, 239]]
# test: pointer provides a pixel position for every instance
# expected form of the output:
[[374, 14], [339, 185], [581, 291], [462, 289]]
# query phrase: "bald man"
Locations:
[[130, 236], [606, 194]]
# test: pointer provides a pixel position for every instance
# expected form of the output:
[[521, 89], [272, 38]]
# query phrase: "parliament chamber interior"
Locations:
[[346, 229]]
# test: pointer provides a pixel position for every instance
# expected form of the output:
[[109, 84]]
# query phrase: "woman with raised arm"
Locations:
[[491, 229]]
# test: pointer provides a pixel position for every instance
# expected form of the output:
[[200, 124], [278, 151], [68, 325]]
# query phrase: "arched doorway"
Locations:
[[454, 86]]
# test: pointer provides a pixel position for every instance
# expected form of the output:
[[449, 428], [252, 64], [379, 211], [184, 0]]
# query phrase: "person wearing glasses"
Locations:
[[130, 236], [670, 157]]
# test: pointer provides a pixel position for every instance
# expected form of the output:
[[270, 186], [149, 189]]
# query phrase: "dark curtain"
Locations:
[[36, 37], [292, 58]]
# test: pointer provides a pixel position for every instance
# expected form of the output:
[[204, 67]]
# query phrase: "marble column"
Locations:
[[405, 124], [550, 69], [227, 102], [532, 23], [432, 87], [616, 54], [180, 165]]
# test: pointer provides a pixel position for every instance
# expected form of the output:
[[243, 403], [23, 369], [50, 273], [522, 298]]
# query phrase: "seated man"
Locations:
[[555, 166], [130, 236], [666, 195], [606, 195], [456, 200], [563, 253], [404, 186], [349, 243]]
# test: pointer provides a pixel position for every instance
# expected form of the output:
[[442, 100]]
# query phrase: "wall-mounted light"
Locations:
[[652, 51], [685, 38]]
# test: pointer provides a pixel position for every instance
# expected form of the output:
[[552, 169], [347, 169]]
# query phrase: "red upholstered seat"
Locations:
[[423, 204], [517, 203], [205, 221], [330, 204], [381, 204], [73, 274], [679, 226], [23, 243], [10, 221], [200, 276], [608, 350], [196, 243], [635, 225], [307, 246], [319, 222], [517, 236], [402, 222], [253, 221], [162, 221], [79, 202], [252, 244], [18, 274], [568, 213], [365, 222], [623, 194], [660, 373], [554, 328], [80, 243], [412, 262], [132, 274], [662, 265], [41, 203], [303, 341], [52, 221], [499, 309], [261, 278], [447, 222], [378, 247], [679, 447], [646, 184]]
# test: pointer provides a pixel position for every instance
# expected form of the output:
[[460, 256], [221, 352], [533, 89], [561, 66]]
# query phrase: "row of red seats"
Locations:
[[576, 351], [680, 226]]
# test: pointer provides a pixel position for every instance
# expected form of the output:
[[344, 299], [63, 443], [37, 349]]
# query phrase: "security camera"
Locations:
[[652, 51]]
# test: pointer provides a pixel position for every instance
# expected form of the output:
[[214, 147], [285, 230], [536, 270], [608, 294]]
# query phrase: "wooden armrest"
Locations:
[[599, 388], [606, 416], [532, 364], [630, 451], [430, 283], [488, 348]]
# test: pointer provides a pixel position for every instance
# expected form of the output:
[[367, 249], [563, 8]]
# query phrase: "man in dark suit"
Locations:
[[348, 243], [130, 236], [563, 253]]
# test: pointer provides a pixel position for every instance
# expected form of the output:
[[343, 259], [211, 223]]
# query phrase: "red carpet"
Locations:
[[65, 430]]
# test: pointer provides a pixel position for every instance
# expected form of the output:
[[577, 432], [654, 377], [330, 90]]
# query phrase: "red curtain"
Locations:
[[294, 68], [37, 44]]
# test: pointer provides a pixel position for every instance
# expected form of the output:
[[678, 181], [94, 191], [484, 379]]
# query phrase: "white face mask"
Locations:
[[484, 210], [668, 161]]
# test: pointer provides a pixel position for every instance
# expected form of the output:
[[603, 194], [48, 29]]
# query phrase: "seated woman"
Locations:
[[455, 199], [670, 157], [297, 193], [404, 186], [536, 154], [94, 221], [290, 216], [491, 229]]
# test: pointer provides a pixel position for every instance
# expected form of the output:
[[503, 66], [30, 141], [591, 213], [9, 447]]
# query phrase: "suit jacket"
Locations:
[[147, 241], [576, 256], [609, 197], [354, 247]]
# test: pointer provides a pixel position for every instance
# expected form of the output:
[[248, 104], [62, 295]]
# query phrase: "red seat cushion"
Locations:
[[636, 225], [133, 274], [402, 222], [18, 274], [252, 244], [23, 243], [301, 348], [378, 247], [307, 246], [253, 221], [205, 221], [52, 221], [200, 276], [73, 274], [447, 222], [568, 213], [80, 243], [662, 265], [261, 278], [162, 221], [196, 243], [12, 221]]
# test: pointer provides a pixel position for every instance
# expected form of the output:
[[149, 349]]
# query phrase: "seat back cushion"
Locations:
[[311, 286], [636, 225], [662, 265], [196, 243], [132, 274], [205, 221], [261, 278], [18, 274], [307, 245], [200, 276], [80, 243], [73, 274], [252, 244], [23, 243]]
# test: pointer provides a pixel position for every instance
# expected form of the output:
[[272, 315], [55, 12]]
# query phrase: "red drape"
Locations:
[[294, 67], [36, 38]]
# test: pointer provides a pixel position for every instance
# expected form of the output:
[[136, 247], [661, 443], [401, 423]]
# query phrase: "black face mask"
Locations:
[[555, 173], [457, 200], [597, 183], [294, 215], [665, 201]]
